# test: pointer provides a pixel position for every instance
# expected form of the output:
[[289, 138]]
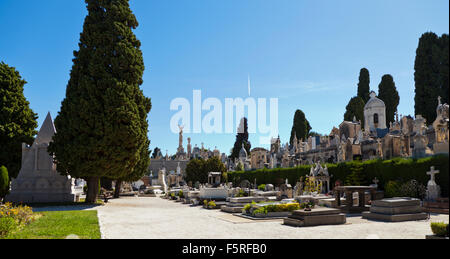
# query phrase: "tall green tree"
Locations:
[[17, 121], [102, 125], [355, 108], [444, 67], [364, 84], [300, 127], [241, 138], [198, 169], [4, 182], [155, 153], [195, 171], [139, 171], [387, 92], [431, 74]]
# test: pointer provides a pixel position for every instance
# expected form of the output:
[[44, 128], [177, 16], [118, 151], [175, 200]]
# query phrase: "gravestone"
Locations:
[[38, 181], [245, 184], [433, 190], [269, 188]]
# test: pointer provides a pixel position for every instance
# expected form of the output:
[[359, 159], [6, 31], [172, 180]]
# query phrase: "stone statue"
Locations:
[[180, 140]]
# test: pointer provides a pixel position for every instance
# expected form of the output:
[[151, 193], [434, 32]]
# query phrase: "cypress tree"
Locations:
[[139, 171], [195, 171], [102, 125], [364, 84], [427, 75], [387, 92], [241, 138], [300, 127], [17, 121], [444, 67], [355, 108]]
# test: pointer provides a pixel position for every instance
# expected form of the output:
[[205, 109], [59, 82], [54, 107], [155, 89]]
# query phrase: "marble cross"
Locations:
[[432, 173]]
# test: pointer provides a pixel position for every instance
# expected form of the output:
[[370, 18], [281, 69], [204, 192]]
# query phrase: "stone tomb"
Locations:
[[38, 181], [316, 217], [395, 210]]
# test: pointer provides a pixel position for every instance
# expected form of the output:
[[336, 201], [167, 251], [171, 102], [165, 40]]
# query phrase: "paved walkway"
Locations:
[[156, 218]]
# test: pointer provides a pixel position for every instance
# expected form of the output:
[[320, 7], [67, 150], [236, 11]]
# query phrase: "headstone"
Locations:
[[433, 190], [269, 188]]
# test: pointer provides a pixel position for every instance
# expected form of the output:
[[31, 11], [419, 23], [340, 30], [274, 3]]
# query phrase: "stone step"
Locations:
[[396, 210], [436, 210], [394, 218], [396, 202], [441, 205], [300, 214]]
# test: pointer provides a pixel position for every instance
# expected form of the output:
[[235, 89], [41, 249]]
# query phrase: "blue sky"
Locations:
[[306, 53]]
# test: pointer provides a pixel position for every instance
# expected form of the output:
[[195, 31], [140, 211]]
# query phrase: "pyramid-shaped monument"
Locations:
[[38, 181]]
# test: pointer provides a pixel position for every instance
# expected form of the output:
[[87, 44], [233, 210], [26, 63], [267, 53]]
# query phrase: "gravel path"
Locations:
[[156, 218]]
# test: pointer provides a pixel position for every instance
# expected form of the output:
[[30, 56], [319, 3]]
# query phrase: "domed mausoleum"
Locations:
[[374, 114]]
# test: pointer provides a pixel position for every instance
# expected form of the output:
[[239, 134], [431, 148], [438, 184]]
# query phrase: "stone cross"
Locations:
[[432, 173], [376, 181]]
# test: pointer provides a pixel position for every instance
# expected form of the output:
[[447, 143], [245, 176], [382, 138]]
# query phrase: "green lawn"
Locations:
[[60, 224]]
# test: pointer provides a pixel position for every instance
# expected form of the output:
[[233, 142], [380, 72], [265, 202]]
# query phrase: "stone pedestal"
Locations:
[[316, 217], [440, 206], [395, 210]]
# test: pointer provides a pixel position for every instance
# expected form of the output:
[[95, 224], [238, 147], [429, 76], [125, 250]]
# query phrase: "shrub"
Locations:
[[392, 189], [439, 229], [7, 224], [262, 187], [260, 210], [4, 182], [403, 169], [247, 208], [21, 214], [413, 189], [241, 193], [252, 209], [181, 194], [212, 205], [305, 205]]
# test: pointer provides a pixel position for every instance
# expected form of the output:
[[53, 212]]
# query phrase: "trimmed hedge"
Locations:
[[398, 169]]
